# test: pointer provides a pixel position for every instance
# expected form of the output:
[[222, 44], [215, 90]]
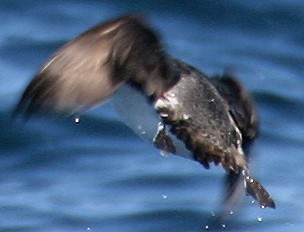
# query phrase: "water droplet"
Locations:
[[163, 115], [164, 153], [206, 227], [141, 130], [253, 201], [212, 214], [164, 196], [186, 116], [224, 225], [231, 212], [77, 120], [263, 206], [260, 219], [251, 180], [172, 94], [88, 229]]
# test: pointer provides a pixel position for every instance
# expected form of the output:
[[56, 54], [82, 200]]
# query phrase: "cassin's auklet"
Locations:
[[207, 120]]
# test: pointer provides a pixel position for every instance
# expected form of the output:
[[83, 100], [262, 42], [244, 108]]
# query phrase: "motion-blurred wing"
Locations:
[[91, 67], [241, 106], [245, 116]]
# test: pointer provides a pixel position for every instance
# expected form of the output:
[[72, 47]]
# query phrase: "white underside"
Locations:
[[141, 117]]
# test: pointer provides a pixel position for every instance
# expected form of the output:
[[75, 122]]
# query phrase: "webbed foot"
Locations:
[[258, 192], [163, 141]]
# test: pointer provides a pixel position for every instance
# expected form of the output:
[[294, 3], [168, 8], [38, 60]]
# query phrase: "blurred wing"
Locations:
[[91, 67], [241, 106], [244, 114]]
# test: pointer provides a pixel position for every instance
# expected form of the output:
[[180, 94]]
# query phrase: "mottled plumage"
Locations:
[[197, 117]]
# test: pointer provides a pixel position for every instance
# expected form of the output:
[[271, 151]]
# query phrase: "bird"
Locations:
[[168, 102]]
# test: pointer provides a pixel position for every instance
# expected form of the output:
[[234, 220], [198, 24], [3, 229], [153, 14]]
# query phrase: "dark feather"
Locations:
[[244, 113], [91, 67], [240, 104], [199, 116]]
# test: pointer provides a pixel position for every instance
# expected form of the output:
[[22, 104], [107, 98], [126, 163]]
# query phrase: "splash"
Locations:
[[77, 120]]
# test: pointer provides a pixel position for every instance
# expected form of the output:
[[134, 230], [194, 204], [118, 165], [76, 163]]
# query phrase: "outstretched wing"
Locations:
[[87, 70]]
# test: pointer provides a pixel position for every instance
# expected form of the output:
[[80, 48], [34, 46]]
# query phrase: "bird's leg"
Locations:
[[163, 141]]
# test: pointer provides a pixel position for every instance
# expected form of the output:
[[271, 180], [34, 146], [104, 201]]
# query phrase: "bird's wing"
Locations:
[[241, 106], [87, 70], [243, 111]]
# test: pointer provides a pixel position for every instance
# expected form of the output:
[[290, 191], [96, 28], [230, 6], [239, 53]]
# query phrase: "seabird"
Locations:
[[209, 120]]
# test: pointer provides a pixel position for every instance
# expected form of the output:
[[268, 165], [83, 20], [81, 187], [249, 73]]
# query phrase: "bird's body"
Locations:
[[140, 115], [164, 100]]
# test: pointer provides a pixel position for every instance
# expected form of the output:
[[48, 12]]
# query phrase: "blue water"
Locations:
[[98, 176]]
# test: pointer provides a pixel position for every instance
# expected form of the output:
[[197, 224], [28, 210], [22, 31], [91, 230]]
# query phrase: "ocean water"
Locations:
[[98, 176]]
